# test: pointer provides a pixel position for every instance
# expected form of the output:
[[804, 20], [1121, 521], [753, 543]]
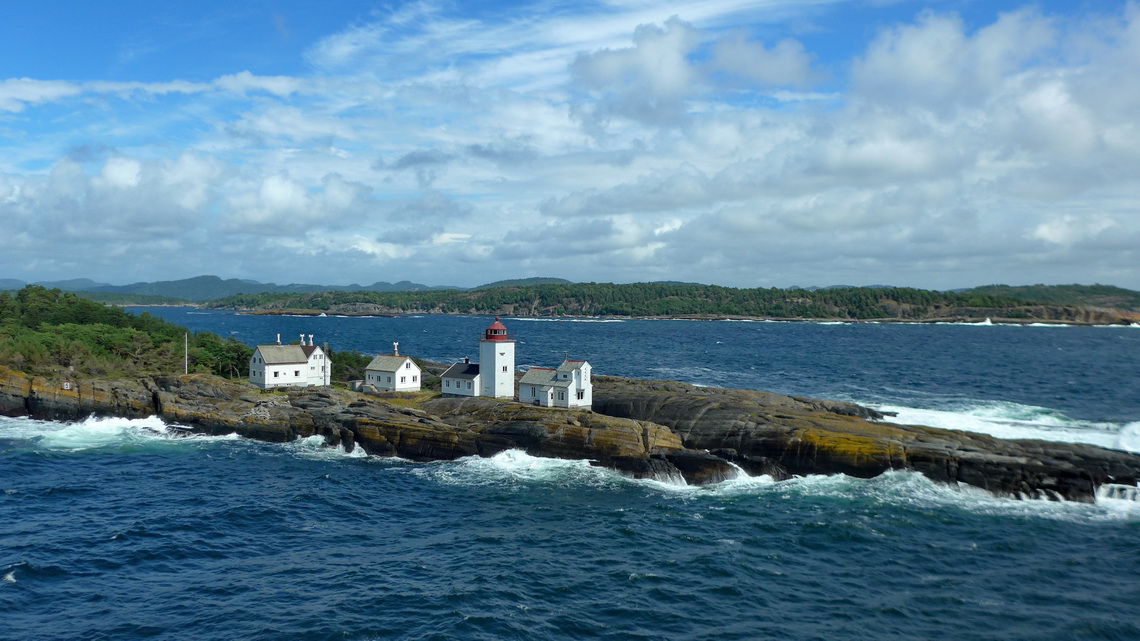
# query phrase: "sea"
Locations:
[[120, 529]]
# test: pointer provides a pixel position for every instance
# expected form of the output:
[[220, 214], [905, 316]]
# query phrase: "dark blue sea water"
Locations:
[[114, 529]]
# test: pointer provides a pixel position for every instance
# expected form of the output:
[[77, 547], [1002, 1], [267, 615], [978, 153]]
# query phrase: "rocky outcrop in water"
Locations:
[[782, 436], [646, 429]]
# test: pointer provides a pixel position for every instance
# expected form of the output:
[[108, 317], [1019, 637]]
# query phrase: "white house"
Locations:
[[461, 379], [393, 373], [303, 365], [569, 386]]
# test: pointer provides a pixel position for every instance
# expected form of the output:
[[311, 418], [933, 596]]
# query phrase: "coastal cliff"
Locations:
[[645, 429]]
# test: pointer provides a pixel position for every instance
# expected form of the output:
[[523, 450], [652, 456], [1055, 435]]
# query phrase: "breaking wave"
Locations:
[[1010, 420]]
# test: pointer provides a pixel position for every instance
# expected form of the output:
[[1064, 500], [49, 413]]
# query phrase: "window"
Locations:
[[504, 368], [561, 396], [297, 373], [581, 394], [533, 392], [468, 384], [276, 374], [407, 364], [389, 379], [447, 383], [403, 378], [414, 378]]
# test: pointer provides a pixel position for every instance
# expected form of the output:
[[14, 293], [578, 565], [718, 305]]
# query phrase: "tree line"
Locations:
[[51, 332], [637, 299]]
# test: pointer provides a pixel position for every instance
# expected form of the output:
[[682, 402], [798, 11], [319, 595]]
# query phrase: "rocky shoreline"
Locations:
[[645, 429]]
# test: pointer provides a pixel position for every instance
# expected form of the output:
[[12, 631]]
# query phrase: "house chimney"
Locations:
[[279, 339], [396, 349], [302, 339], [466, 360], [310, 340]]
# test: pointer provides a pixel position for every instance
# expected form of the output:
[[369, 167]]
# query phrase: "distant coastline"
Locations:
[[945, 320], [1077, 305]]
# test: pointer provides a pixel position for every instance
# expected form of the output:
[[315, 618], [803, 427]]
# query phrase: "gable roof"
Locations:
[[282, 354], [462, 370], [538, 376], [569, 365], [389, 363]]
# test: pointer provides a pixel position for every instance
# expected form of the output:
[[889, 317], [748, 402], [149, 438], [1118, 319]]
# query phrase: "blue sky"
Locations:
[[739, 142]]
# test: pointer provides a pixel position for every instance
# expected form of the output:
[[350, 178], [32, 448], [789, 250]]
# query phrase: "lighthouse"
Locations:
[[497, 362]]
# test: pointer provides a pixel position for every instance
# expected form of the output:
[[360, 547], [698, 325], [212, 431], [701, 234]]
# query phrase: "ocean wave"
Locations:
[[1017, 421], [93, 433], [908, 489], [515, 468], [313, 447]]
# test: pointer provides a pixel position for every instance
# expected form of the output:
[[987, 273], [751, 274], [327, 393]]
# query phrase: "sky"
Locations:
[[746, 143]]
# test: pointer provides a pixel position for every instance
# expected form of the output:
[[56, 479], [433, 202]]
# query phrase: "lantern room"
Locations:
[[497, 332]]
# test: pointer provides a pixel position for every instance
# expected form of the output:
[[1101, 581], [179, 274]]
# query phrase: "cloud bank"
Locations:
[[715, 141]]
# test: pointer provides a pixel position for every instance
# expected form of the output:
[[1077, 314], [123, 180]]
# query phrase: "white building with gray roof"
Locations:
[[303, 365], [461, 379], [568, 386], [393, 373]]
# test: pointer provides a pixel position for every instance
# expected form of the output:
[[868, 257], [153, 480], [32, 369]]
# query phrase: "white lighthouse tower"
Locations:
[[497, 362]]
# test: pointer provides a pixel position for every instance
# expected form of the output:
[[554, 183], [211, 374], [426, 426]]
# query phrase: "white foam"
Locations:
[[1015, 421], [1129, 438], [314, 447], [94, 432], [912, 489], [90, 433], [516, 468]]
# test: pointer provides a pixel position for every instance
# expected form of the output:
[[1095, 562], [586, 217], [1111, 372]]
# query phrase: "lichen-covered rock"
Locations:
[[64, 399], [771, 434], [15, 390], [646, 429]]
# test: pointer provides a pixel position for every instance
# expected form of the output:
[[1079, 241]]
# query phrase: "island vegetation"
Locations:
[[673, 300], [1096, 296], [48, 332]]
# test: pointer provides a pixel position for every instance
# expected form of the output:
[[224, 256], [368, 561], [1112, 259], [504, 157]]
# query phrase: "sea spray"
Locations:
[[1017, 421]]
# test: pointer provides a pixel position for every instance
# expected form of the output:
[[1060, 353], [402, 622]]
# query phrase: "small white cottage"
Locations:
[[303, 365], [569, 386], [393, 373], [461, 379]]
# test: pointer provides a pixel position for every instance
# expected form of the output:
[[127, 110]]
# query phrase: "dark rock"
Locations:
[[770, 434], [646, 429]]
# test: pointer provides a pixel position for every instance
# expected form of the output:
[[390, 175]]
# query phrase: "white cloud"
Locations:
[[18, 93], [244, 82], [648, 82], [674, 140], [1068, 229], [786, 64]]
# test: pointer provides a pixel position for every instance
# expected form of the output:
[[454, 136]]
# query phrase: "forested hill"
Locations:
[[673, 300], [1095, 296], [48, 332]]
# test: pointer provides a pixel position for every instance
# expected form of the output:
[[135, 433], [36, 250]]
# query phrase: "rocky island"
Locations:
[[645, 429]]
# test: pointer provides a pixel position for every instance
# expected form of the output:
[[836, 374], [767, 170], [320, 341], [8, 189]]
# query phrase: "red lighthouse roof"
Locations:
[[496, 332]]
